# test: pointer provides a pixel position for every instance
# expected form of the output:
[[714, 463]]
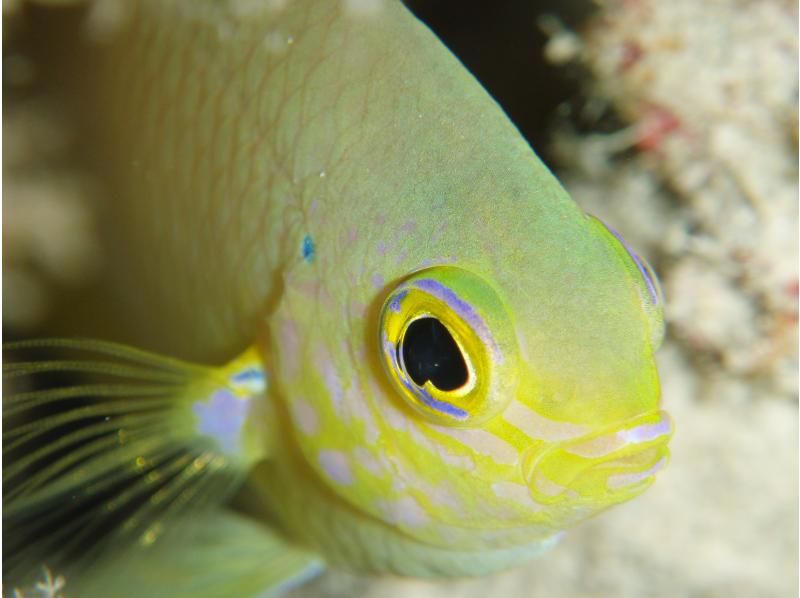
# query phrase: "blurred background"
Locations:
[[676, 122]]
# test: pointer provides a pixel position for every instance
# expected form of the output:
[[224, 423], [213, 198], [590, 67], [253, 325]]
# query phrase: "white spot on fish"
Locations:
[[398, 483], [332, 381], [547, 486], [596, 447], [485, 443], [464, 462], [404, 511], [360, 408], [305, 417], [336, 466], [367, 459], [608, 443], [442, 496], [399, 421], [538, 427], [621, 480], [512, 491]]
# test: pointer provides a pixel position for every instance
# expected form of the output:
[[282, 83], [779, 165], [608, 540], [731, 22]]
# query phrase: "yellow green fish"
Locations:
[[433, 362]]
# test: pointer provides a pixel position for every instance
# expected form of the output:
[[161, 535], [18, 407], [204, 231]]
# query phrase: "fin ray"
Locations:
[[37, 398], [27, 368], [116, 454], [20, 465], [116, 350]]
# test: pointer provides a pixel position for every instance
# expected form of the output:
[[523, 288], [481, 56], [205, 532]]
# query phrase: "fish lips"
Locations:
[[602, 468]]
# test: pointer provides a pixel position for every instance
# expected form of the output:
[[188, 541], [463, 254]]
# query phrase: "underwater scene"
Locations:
[[315, 298]]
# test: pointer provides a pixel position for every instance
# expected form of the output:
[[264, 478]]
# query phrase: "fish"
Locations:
[[359, 324]]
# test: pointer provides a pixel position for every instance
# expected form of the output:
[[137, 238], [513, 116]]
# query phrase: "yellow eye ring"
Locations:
[[449, 347]]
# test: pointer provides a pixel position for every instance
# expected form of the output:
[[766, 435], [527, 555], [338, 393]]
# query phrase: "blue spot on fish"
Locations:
[[247, 375], [251, 379], [222, 418], [308, 249]]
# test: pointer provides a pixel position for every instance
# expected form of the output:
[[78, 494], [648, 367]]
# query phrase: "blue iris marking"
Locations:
[[394, 305], [444, 407], [440, 406], [308, 249]]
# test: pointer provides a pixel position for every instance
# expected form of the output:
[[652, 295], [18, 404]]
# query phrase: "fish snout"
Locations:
[[603, 467]]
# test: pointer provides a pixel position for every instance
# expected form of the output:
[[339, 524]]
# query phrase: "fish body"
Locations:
[[442, 362]]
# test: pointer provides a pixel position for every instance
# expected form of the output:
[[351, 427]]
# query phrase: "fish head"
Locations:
[[475, 405], [464, 355]]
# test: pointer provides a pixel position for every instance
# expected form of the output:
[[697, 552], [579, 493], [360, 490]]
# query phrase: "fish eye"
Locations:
[[449, 347], [428, 352]]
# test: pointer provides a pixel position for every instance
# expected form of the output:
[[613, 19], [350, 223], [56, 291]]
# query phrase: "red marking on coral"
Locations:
[[657, 122], [630, 53]]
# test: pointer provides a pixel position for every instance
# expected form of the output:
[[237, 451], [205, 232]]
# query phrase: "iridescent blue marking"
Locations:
[[251, 377], [440, 406], [462, 308], [645, 272], [390, 351], [394, 304], [222, 417], [308, 248], [647, 432]]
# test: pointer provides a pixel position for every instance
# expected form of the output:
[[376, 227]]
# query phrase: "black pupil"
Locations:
[[430, 353]]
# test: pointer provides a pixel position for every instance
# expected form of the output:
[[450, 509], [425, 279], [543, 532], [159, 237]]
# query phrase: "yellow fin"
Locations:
[[112, 442]]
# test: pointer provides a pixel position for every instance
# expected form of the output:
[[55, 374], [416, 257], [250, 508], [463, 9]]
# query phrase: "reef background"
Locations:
[[677, 122]]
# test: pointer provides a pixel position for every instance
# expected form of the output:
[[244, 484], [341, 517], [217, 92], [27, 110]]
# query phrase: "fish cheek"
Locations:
[[310, 375]]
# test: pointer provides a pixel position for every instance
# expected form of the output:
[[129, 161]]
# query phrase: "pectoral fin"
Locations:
[[223, 554], [104, 448]]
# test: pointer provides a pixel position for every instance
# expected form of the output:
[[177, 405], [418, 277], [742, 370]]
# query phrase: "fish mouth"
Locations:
[[602, 468]]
